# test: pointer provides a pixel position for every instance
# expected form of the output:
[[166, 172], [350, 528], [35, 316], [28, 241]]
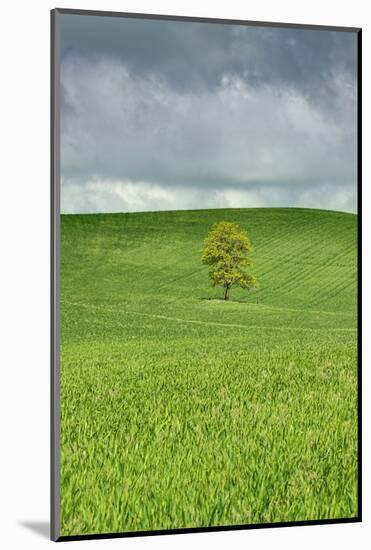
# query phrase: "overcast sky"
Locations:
[[165, 115]]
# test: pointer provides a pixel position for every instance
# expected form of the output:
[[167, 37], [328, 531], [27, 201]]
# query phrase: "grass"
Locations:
[[180, 410]]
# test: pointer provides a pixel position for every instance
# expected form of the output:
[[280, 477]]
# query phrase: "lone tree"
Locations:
[[226, 251]]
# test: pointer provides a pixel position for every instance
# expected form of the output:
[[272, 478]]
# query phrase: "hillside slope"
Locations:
[[182, 410], [305, 260]]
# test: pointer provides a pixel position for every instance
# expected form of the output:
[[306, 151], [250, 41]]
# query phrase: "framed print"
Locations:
[[206, 281]]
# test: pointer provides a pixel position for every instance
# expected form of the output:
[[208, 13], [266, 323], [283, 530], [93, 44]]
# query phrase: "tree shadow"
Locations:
[[41, 528], [235, 300]]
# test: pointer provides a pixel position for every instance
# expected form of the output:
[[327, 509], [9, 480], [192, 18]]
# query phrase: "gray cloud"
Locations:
[[164, 115], [126, 196], [195, 55]]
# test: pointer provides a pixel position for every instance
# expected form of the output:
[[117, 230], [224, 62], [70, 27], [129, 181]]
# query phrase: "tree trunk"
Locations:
[[226, 290]]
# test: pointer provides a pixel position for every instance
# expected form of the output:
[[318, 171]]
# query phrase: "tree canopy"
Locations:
[[226, 251]]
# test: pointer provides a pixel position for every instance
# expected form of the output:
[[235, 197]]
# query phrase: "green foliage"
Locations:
[[179, 412], [226, 251]]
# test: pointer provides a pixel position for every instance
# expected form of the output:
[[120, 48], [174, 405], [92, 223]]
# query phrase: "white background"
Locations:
[[24, 270]]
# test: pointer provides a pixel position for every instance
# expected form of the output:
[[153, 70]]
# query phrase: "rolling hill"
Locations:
[[182, 410]]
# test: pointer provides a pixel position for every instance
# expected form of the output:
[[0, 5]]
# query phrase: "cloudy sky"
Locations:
[[165, 115]]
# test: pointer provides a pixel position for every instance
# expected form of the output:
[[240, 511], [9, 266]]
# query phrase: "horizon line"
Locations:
[[209, 209]]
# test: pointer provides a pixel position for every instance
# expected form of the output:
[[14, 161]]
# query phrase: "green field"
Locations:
[[181, 410]]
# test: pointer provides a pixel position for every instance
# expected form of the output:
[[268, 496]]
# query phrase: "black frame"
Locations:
[[55, 283]]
